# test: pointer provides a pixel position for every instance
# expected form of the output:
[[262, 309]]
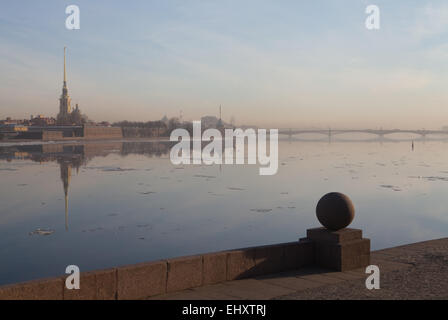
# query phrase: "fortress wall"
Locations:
[[102, 133], [52, 135], [92, 133], [133, 132]]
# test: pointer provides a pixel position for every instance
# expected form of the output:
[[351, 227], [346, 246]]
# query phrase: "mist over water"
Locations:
[[127, 203]]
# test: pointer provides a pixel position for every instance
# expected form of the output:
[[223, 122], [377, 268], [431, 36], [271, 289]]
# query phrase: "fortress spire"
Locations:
[[65, 109], [65, 73]]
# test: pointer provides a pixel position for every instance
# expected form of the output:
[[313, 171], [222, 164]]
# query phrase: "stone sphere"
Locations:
[[335, 211]]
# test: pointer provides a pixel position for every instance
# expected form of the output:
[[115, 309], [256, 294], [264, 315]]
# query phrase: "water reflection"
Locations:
[[70, 156], [124, 202], [66, 173]]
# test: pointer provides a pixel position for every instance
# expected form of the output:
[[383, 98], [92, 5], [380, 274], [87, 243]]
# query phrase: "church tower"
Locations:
[[64, 101]]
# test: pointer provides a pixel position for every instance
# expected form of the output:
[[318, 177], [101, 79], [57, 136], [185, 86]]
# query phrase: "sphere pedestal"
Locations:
[[335, 246], [340, 250]]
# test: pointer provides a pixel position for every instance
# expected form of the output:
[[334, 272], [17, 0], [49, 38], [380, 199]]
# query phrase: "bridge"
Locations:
[[380, 132]]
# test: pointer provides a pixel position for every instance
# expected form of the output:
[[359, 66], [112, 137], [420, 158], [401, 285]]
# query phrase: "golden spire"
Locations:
[[65, 73]]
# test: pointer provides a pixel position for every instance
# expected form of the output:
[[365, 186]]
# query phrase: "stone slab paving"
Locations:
[[415, 271]]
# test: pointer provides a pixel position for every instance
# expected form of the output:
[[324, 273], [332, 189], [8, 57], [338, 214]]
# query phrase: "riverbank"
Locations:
[[414, 271]]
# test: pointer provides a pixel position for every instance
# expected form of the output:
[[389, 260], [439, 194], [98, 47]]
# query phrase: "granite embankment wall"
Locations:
[[144, 280], [102, 133], [88, 133], [52, 135]]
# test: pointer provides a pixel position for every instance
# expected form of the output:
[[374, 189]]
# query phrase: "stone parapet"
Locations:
[[145, 280]]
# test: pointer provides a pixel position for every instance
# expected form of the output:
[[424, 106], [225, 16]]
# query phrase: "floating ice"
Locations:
[[261, 210], [41, 232]]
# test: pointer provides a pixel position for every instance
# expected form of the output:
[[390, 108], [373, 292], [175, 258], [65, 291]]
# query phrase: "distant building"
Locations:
[[38, 120], [42, 121], [104, 124], [214, 122], [209, 121], [9, 121]]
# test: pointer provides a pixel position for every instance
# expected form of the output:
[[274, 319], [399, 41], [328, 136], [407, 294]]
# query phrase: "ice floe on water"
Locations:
[[147, 192], [430, 178], [204, 176], [422, 164], [93, 229], [261, 210], [215, 194], [42, 232], [111, 169], [389, 186]]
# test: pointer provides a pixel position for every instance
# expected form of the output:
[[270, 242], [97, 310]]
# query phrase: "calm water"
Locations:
[[126, 202]]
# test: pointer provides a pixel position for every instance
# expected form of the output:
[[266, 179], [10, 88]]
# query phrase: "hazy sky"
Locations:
[[279, 63]]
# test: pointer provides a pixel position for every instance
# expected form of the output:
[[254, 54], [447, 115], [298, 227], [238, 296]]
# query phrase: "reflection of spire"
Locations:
[[66, 211], [66, 173]]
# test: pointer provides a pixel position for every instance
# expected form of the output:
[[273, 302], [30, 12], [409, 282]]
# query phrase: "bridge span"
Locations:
[[380, 132]]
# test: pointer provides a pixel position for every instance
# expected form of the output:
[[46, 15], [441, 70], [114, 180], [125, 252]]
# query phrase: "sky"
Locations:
[[273, 63]]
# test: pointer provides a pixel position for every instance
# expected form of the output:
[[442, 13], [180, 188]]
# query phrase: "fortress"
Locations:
[[70, 124]]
